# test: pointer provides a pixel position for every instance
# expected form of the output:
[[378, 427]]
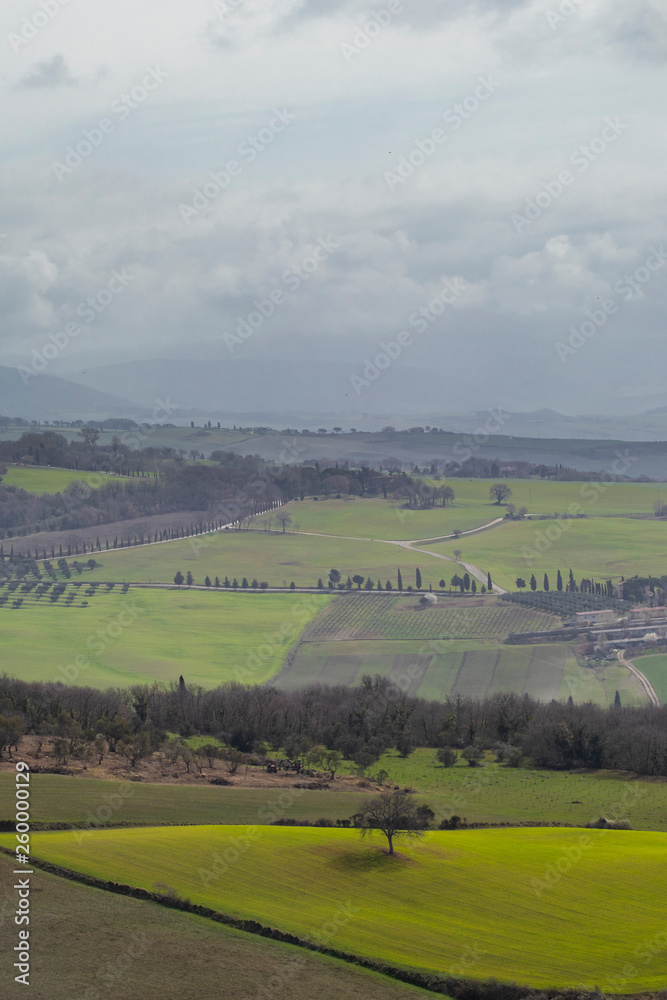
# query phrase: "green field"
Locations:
[[277, 558], [435, 669], [37, 479], [156, 635], [486, 889], [655, 668], [472, 507], [594, 547], [490, 794], [138, 949]]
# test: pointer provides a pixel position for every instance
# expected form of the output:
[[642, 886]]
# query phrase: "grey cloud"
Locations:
[[50, 73]]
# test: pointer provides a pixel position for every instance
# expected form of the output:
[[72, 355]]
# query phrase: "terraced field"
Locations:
[[438, 668], [375, 616], [523, 897]]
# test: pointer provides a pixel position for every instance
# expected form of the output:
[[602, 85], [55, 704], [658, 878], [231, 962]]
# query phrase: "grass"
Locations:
[[486, 889], [373, 518], [654, 667], [436, 669], [490, 794], [156, 635], [39, 480], [277, 558], [602, 548], [139, 949]]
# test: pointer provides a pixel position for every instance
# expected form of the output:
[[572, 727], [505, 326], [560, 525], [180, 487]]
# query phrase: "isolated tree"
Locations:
[[392, 814], [520, 583], [179, 579], [499, 492], [207, 581], [358, 579], [466, 581], [473, 755], [446, 756], [617, 701], [489, 583], [418, 578], [533, 583], [400, 581], [369, 584], [284, 519], [442, 584], [546, 583], [189, 579], [559, 581], [90, 437], [473, 585], [334, 576], [457, 554]]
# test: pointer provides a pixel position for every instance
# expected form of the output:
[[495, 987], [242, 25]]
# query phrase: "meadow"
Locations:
[[654, 666], [490, 794], [472, 507], [603, 548], [140, 949], [276, 558], [436, 669], [39, 479], [156, 635], [523, 898]]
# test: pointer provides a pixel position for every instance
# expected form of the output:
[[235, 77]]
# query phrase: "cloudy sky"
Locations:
[[342, 165]]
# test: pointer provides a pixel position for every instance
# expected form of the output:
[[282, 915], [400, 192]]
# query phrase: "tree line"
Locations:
[[359, 723]]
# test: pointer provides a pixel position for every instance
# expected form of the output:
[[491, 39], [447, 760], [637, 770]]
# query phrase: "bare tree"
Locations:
[[393, 814], [499, 492], [284, 519]]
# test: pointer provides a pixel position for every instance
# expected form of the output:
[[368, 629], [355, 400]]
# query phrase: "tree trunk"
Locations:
[[390, 838]]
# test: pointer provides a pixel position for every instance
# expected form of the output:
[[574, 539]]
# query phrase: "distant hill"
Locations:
[[245, 386], [47, 397]]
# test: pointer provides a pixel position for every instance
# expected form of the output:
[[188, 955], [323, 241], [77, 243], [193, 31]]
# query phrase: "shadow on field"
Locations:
[[375, 859]]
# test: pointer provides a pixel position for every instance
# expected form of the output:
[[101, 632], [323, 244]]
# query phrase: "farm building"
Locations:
[[595, 617]]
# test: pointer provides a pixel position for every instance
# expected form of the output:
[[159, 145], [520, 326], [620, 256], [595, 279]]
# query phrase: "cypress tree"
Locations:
[[400, 581]]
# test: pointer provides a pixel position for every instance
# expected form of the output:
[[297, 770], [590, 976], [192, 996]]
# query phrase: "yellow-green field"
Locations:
[[592, 547], [135, 949], [277, 558], [156, 635], [520, 901], [37, 479]]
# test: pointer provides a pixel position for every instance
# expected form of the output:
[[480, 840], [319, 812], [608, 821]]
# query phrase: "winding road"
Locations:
[[643, 680]]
